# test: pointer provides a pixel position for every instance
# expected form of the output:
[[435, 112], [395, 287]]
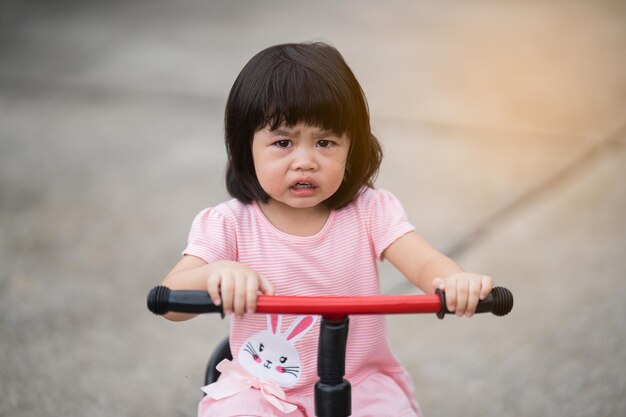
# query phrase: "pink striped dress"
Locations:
[[341, 259]]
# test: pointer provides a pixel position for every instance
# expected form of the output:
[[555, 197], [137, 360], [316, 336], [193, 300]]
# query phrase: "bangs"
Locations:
[[296, 94]]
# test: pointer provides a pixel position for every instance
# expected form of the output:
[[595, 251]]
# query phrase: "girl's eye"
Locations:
[[261, 347], [325, 143], [283, 143], [283, 359]]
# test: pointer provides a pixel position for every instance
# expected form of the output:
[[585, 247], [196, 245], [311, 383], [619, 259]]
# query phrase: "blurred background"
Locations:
[[504, 130]]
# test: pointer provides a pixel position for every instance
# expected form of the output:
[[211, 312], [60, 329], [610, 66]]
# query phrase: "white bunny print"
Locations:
[[271, 355]]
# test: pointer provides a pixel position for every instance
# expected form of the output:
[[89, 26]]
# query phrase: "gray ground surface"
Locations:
[[504, 126]]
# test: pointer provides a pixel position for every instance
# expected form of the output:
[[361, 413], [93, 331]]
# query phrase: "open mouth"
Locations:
[[302, 185]]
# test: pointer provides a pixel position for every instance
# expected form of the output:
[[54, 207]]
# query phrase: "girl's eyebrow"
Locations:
[[327, 133], [286, 132]]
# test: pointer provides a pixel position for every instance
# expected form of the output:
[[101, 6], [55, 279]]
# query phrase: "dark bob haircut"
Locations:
[[298, 83]]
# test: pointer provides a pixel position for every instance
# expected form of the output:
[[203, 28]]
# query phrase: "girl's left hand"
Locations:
[[463, 291]]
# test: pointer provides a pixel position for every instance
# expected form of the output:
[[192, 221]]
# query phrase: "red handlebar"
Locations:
[[388, 304], [161, 300]]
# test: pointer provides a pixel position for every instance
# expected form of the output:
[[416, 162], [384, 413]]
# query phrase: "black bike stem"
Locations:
[[499, 302], [333, 393]]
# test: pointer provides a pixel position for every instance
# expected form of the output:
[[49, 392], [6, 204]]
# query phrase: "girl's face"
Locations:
[[299, 166]]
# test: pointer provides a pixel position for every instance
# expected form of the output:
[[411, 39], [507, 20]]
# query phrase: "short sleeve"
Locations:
[[213, 236], [388, 221]]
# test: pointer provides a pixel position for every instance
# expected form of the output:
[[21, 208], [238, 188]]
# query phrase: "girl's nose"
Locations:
[[304, 160]]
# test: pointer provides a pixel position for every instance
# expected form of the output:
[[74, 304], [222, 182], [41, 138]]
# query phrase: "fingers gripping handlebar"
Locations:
[[162, 300]]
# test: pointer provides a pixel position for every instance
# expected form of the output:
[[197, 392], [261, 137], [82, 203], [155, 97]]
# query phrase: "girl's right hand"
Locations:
[[236, 286]]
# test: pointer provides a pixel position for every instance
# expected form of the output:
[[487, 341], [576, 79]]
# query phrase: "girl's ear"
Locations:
[[274, 323], [299, 328]]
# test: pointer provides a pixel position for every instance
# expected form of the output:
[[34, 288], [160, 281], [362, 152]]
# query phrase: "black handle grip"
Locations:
[[162, 300], [499, 302]]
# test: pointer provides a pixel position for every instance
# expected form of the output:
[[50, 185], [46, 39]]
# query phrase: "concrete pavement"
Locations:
[[504, 128]]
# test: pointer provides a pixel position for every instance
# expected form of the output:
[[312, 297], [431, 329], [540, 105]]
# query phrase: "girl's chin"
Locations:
[[296, 203]]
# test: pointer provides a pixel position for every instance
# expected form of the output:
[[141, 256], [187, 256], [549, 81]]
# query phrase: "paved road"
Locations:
[[504, 127]]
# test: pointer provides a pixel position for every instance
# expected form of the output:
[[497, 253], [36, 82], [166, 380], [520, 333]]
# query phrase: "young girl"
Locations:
[[306, 220]]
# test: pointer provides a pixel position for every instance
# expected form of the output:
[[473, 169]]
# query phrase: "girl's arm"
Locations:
[[428, 269], [231, 284]]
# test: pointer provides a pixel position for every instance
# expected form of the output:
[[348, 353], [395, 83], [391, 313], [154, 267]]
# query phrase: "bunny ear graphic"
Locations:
[[299, 328], [274, 323]]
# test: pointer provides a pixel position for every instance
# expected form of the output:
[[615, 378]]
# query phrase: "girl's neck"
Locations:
[[295, 221]]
